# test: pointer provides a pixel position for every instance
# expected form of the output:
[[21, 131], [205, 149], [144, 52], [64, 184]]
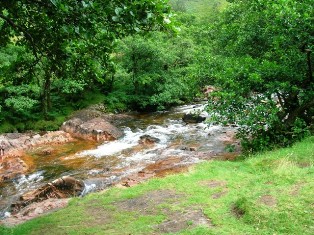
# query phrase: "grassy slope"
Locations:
[[270, 193]]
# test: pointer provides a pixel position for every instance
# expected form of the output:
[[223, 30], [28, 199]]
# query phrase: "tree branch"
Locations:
[[296, 113], [27, 34], [280, 99]]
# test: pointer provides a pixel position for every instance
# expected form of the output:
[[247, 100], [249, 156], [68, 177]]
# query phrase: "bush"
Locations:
[[43, 125], [118, 101], [7, 128]]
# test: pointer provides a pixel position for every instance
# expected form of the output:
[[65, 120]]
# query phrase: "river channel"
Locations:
[[101, 166]]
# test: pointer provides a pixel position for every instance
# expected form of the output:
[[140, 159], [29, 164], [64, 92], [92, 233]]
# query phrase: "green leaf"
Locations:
[[115, 18], [54, 2], [118, 10]]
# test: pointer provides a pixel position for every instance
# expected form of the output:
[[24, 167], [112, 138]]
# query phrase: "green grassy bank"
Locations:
[[270, 193]]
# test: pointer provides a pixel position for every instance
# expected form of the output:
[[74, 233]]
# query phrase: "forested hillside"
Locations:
[[59, 56], [55, 55]]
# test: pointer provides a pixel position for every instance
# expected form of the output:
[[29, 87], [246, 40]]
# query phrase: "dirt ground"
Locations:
[[151, 203]]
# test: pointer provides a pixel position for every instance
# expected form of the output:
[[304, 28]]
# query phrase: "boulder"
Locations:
[[96, 129], [193, 118], [22, 141], [46, 151], [148, 140], [11, 168], [63, 187]]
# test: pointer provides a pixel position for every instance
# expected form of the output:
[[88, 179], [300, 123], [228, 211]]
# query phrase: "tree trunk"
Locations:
[[309, 65], [46, 101]]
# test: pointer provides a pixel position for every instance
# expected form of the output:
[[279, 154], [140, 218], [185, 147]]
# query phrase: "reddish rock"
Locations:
[[96, 129], [22, 141], [63, 187], [12, 167], [34, 210]]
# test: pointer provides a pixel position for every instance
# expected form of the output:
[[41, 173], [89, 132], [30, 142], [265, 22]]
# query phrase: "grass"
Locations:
[[268, 193]]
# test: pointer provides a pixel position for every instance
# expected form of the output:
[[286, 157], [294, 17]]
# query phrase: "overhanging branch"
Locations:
[[21, 29]]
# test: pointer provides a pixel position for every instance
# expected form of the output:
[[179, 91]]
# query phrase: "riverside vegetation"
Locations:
[[269, 193], [60, 56], [146, 56]]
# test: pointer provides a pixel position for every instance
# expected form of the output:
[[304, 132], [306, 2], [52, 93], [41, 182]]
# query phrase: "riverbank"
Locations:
[[270, 193], [152, 145], [15, 161], [90, 124]]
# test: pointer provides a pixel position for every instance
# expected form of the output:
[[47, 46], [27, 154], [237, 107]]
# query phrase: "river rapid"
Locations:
[[179, 145]]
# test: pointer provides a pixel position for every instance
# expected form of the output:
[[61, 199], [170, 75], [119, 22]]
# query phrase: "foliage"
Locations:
[[70, 39], [64, 46], [153, 71], [263, 68], [118, 101], [161, 70], [261, 194], [200, 8]]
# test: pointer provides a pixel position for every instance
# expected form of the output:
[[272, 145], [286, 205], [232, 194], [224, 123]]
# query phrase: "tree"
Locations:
[[153, 70], [73, 39], [264, 70]]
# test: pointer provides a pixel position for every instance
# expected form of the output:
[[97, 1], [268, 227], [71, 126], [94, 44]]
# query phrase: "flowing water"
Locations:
[[103, 165]]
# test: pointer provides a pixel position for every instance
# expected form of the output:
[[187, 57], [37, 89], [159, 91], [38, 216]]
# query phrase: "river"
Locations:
[[179, 145]]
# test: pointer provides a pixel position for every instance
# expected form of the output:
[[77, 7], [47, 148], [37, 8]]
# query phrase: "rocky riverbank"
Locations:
[[14, 161], [88, 124], [153, 145]]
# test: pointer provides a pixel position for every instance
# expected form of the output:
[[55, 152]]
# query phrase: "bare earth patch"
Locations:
[[213, 183], [216, 184], [177, 221], [219, 194], [237, 211], [99, 214], [149, 202], [268, 200], [296, 189]]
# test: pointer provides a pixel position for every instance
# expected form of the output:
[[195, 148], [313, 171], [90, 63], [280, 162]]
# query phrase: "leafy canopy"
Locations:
[[263, 68], [64, 46]]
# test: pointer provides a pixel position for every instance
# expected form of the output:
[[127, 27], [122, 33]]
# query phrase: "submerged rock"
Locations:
[[63, 187], [147, 140], [193, 118]]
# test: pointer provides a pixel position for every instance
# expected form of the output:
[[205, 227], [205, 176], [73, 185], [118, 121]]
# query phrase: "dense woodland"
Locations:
[[58, 56]]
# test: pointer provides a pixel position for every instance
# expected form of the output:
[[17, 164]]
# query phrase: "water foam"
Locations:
[[28, 181], [170, 129], [129, 140]]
